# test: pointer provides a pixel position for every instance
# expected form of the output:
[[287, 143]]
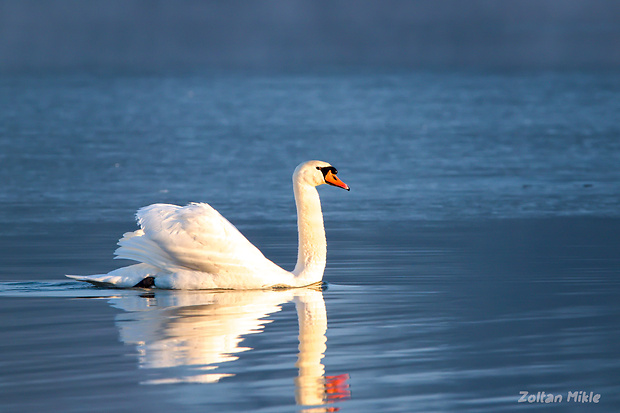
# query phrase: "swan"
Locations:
[[194, 247]]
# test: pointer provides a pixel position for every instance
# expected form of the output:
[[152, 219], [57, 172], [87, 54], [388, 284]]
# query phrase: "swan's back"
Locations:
[[194, 237]]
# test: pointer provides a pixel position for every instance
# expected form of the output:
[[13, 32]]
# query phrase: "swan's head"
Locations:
[[317, 173]]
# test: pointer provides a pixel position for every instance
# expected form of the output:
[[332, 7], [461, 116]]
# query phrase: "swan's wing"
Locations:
[[195, 236]]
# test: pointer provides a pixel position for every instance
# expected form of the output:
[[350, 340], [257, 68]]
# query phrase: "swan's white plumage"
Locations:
[[194, 237], [195, 247]]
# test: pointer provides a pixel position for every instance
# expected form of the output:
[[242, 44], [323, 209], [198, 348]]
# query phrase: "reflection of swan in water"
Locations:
[[188, 335], [312, 387], [193, 332]]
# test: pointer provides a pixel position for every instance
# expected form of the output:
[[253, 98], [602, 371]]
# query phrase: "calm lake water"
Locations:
[[477, 255]]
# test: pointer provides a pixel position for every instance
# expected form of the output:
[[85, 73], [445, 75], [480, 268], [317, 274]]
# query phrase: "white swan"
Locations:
[[194, 247]]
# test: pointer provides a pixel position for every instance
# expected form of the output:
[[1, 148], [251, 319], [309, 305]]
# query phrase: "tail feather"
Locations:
[[125, 277]]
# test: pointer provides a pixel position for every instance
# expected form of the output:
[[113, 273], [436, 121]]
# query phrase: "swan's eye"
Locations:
[[326, 169], [318, 168]]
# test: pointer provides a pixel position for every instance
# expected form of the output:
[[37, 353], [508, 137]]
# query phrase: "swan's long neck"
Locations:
[[312, 253]]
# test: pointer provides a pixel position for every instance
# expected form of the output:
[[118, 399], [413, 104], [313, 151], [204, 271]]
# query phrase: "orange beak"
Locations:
[[332, 179]]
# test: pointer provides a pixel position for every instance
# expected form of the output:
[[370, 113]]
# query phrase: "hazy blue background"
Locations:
[[190, 35]]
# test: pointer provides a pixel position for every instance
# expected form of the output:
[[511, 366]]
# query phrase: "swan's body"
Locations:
[[194, 247]]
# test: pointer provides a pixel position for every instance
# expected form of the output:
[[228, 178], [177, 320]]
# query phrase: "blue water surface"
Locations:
[[475, 257]]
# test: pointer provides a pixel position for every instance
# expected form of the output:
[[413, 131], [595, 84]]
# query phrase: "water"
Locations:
[[475, 257]]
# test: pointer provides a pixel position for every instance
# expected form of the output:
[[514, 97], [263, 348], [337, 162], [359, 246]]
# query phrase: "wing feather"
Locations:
[[195, 237]]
